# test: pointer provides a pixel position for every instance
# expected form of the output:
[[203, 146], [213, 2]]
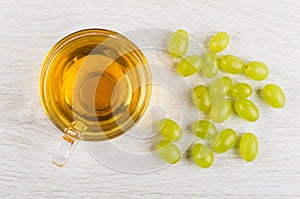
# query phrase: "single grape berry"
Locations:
[[219, 42], [220, 87], [189, 65], [257, 70], [273, 95], [201, 98], [210, 65], [246, 110], [168, 152], [220, 110], [232, 64], [241, 90], [170, 130], [249, 147], [202, 155], [227, 82], [179, 43], [225, 141], [204, 129]]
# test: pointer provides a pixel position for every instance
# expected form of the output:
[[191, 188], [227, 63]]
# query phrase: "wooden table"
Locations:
[[268, 31]]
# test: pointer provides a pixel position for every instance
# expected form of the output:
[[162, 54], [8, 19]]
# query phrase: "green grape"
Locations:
[[241, 90], [189, 65], [249, 147], [204, 129], [227, 82], [220, 87], [219, 42], [273, 95], [210, 65], [168, 152], [179, 43], [232, 64], [247, 110], [170, 130], [201, 98], [225, 141], [257, 70], [202, 155], [220, 110]]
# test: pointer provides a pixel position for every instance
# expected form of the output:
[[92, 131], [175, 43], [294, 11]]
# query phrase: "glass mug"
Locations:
[[95, 84]]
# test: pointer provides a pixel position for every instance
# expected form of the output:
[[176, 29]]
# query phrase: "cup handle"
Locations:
[[65, 148]]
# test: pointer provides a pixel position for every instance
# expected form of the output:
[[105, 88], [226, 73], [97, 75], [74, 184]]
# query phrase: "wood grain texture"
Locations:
[[264, 30]]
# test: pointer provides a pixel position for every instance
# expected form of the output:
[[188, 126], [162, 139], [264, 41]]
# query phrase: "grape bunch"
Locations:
[[219, 99]]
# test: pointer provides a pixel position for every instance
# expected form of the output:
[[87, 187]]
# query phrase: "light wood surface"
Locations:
[[264, 30]]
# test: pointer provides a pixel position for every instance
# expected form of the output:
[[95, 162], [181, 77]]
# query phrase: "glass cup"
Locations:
[[94, 85]]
